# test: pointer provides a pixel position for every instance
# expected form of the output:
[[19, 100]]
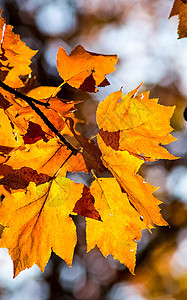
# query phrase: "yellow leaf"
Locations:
[[37, 221], [120, 227], [124, 168], [7, 138], [42, 92], [140, 123]]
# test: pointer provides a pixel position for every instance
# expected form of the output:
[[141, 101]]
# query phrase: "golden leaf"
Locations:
[[37, 221]]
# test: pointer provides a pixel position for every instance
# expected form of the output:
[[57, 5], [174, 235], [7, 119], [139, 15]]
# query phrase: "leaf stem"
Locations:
[[31, 101], [58, 89]]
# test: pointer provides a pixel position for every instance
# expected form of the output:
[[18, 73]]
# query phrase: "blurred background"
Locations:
[[139, 32]]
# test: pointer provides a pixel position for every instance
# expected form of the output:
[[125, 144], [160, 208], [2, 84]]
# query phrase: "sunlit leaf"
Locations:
[[83, 69]]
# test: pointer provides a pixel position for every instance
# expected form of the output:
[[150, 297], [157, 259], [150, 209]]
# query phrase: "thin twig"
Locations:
[[22, 96], [30, 101]]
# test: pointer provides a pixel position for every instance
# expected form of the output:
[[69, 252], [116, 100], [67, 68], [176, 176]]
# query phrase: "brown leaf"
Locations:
[[3, 102], [91, 153], [34, 134], [20, 179], [85, 205], [110, 138], [180, 8]]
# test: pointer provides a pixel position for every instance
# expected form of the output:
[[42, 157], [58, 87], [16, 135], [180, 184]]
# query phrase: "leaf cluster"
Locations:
[[39, 145]]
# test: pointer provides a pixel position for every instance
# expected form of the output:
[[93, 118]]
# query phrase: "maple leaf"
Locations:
[[15, 56], [124, 168], [180, 8], [136, 124], [37, 222], [120, 225], [46, 158], [131, 129], [83, 69], [26, 114]]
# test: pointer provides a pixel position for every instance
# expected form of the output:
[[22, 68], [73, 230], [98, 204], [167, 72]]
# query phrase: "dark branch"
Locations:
[[20, 95], [30, 101]]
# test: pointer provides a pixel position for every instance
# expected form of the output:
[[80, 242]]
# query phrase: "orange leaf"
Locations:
[[180, 9], [46, 158], [41, 92], [83, 69], [27, 114], [131, 131], [7, 137], [61, 106], [38, 222], [15, 56]]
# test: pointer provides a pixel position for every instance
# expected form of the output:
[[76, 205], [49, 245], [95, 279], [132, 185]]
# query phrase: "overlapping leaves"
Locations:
[[34, 162], [13, 52]]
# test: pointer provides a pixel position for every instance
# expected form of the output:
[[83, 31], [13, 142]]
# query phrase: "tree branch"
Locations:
[[30, 101]]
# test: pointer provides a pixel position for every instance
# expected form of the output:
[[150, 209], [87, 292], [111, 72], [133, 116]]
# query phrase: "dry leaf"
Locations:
[[180, 9]]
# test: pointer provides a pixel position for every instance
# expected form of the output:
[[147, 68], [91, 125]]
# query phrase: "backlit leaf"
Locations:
[[124, 168], [7, 137], [47, 158], [136, 124], [120, 227], [83, 69], [37, 222]]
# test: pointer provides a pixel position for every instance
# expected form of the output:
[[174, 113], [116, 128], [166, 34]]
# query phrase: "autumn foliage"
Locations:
[[180, 9], [39, 145]]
